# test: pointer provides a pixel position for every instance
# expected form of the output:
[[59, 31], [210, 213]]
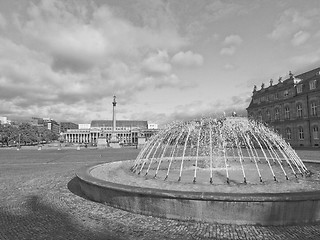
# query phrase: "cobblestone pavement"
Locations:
[[40, 199]]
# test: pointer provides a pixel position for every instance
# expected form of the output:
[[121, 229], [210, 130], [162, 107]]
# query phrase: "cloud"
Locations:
[[157, 63], [290, 22], [198, 109], [300, 38], [233, 40], [75, 55], [220, 9], [187, 59], [195, 17], [228, 51], [231, 43]]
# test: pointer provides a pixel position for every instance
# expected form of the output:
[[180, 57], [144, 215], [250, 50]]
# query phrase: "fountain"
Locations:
[[209, 145], [230, 170]]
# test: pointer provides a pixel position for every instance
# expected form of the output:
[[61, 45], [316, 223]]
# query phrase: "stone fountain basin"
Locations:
[[296, 201]]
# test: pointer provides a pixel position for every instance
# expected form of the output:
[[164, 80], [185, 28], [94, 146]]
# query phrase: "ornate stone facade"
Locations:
[[127, 132], [291, 107]]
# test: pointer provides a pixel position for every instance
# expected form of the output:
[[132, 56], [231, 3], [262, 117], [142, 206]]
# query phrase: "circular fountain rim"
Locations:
[[84, 174]]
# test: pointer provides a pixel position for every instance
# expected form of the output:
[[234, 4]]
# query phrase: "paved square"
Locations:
[[40, 199]]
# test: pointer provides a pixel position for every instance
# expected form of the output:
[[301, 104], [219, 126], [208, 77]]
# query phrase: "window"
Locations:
[[287, 113], [288, 133], [276, 114], [301, 134], [315, 132], [268, 115], [313, 109], [260, 116], [276, 95], [299, 88], [299, 110], [312, 84], [286, 93]]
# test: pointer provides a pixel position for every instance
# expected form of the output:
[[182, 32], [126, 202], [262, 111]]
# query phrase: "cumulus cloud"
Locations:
[[233, 40], [198, 109], [290, 22], [157, 63], [231, 43], [300, 38], [74, 54], [187, 59]]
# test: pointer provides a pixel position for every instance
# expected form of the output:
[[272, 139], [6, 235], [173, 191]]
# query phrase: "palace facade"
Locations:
[[127, 132], [291, 107], [104, 132]]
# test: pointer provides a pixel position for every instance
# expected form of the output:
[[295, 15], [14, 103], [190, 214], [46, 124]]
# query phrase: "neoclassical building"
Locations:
[[291, 107], [125, 132]]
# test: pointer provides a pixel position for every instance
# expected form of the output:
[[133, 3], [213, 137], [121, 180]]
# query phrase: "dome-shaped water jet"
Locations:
[[233, 147]]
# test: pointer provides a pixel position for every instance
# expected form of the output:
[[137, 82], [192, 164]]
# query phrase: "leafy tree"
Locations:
[[27, 133]]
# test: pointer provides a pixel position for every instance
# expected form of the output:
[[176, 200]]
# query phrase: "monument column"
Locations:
[[114, 103], [114, 142]]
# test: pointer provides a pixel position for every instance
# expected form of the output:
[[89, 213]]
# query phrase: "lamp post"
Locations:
[[19, 146]]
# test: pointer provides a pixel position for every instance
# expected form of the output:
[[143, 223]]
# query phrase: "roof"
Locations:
[[286, 84], [120, 123]]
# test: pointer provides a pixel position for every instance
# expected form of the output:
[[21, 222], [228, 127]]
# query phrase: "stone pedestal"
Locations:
[[102, 143], [141, 141], [114, 142]]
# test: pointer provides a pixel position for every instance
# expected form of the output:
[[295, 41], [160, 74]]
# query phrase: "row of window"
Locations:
[[286, 93], [287, 115], [288, 133], [117, 128]]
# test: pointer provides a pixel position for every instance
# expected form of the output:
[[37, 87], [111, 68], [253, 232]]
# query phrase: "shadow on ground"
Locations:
[[74, 187], [40, 221]]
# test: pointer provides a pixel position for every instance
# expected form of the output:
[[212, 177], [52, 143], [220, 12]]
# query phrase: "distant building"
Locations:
[[4, 120], [84, 125], [152, 126], [291, 107], [106, 132], [127, 131], [39, 122], [64, 126], [52, 125]]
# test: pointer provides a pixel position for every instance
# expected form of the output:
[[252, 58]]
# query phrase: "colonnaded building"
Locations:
[[290, 107], [126, 132]]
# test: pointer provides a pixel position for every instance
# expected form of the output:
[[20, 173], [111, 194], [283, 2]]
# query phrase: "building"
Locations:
[[84, 125], [4, 120], [38, 122], [126, 132], [64, 126], [291, 107], [52, 125]]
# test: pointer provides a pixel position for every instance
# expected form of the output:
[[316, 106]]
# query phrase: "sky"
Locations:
[[165, 60]]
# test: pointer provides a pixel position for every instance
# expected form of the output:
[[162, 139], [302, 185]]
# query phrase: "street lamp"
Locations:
[[19, 146]]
